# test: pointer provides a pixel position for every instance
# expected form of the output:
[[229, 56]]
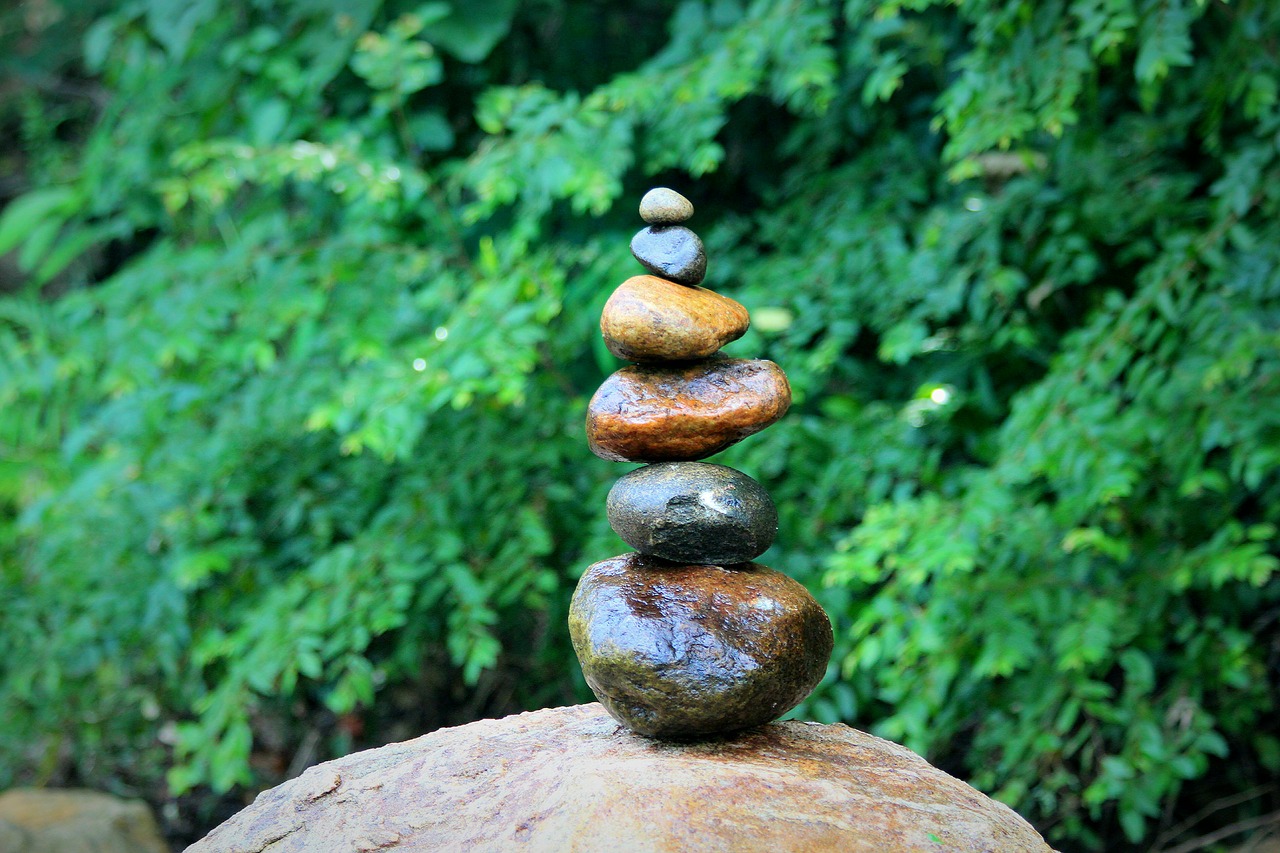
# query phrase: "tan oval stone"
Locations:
[[668, 413], [571, 780], [663, 206], [651, 319]]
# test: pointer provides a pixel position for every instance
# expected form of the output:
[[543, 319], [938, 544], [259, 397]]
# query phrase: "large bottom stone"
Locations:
[[685, 651], [570, 780]]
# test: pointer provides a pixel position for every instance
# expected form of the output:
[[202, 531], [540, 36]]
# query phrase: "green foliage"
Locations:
[[291, 392]]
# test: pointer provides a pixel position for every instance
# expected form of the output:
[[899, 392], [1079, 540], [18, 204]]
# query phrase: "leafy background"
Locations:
[[298, 323]]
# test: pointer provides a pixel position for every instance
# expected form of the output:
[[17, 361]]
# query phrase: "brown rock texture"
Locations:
[[651, 319], [571, 780], [686, 651], [672, 413], [74, 821]]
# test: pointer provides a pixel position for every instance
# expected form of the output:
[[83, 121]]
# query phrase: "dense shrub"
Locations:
[[293, 377]]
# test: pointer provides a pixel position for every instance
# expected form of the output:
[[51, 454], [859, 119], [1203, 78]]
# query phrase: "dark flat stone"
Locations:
[[693, 512], [673, 252]]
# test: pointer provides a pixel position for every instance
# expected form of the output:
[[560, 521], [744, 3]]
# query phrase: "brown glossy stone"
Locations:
[[684, 651], [669, 413], [651, 319]]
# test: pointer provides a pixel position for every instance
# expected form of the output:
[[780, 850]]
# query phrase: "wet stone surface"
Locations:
[[671, 413], [672, 252], [685, 651], [572, 779], [693, 512], [651, 319], [662, 206]]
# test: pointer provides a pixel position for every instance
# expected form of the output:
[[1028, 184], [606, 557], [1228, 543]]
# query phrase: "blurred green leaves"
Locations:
[[397, 64], [469, 30]]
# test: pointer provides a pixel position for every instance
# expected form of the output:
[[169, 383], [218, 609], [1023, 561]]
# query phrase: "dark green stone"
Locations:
[[673, 252], [682, 652], [693, 512]]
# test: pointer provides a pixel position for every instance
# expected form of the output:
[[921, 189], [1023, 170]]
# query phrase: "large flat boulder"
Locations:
[[572, 779]]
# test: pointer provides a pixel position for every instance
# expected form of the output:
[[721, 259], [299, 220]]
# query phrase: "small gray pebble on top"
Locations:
[[661, 206]]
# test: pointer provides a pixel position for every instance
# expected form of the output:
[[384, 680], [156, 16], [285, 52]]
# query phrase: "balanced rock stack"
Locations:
[[687, 638]]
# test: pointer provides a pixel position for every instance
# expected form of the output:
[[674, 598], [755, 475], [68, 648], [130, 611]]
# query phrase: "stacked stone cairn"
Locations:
[[688, 638]]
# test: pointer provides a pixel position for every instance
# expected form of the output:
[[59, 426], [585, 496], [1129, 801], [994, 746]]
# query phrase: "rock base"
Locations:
[[38, 820], [572, 779]]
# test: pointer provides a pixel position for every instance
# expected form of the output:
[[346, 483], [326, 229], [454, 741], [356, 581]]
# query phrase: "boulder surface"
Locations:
[[572, 779]]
